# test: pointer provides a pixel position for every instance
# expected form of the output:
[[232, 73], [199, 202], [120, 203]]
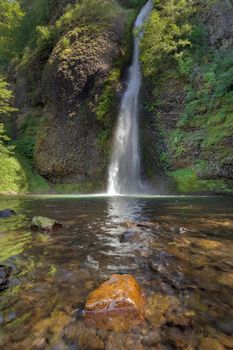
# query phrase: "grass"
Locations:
[[186, 181], [18, 177]]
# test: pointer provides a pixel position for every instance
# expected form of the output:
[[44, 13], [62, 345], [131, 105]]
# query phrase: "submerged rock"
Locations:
[[5, 272], [6, 213], [43, 223], [210, 344], [117, 304], [130, 236], [143, 224], [207, 244]]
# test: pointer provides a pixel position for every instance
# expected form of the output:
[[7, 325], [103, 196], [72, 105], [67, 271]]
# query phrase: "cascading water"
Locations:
[[124, 175]]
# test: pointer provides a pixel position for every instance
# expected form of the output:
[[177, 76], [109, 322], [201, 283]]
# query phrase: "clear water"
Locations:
[[182, 256], [124, 171]]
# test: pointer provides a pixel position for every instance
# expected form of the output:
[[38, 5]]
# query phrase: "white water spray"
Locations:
[[124, 175]]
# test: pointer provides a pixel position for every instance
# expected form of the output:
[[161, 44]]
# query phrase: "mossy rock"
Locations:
[[45, 224]]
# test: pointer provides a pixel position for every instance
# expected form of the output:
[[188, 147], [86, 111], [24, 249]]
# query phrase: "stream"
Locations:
[[179, 249]]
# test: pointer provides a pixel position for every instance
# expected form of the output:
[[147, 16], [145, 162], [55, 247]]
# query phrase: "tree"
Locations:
[[165, 33], [11, 15], [6, 109]]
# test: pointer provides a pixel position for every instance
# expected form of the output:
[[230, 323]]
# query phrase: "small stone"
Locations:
[[6, 213], [225, 325], [226, 278], [226, 340], [210, 344], [39, 344], [123, 342], [207, 244], [43, 223], [130, 236], [116, 305], [151, 339], [157, 306]]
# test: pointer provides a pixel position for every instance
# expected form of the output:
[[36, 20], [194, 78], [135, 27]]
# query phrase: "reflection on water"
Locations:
[[179, 249]]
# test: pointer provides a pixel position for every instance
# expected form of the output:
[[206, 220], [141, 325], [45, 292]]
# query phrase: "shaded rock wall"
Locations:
[[67, 149]]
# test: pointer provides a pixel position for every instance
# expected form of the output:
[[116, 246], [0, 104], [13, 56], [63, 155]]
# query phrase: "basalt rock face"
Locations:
[[219, 23], [68, 149]]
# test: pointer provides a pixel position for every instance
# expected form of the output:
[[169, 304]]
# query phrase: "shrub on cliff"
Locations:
[[165, 33]]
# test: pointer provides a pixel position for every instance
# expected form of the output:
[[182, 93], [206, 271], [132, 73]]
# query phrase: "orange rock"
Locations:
[[117, 304]]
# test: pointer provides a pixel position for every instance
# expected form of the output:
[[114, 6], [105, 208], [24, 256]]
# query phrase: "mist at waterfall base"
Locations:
[[124, 175]]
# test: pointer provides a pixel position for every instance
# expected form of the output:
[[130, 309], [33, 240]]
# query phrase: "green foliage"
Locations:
[[26, 140], [203, 132], [187, 181], [6, 109], [22, 26], [37, 15], [17, 176], [87, 11], [105, 110], [6, 96], [107, 98], [45, 37], [12, 176], [165, 34], [209, 107], [11, 16], [131, 3]]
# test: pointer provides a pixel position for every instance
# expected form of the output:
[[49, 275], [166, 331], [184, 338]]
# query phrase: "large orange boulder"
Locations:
[[118, 304]]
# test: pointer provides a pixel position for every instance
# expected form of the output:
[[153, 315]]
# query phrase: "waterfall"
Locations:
[[124, 175]]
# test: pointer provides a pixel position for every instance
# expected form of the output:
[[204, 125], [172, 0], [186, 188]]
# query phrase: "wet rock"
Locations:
[[84, 337], [178, 319], [226, 340], [179, 338], [225, 325], [6, 213], [130, 236], [207, 244], [88, 340], [210, 344], [39, 344], [178, 230], [123, 341], [152, 338], [117, 304], [5, 272], [54, 324], [226, 279], [149, 224], [45, 224], [20, 333], [196, 303], [157, 306]]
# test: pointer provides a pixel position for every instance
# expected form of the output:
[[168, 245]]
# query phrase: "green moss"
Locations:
[[84, 187], [25, 143], [35, 182], [13, 178], [17, 176], [107, 100], [186, 181]]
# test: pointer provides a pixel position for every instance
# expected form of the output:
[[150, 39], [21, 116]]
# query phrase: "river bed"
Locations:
[[180, 250]]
